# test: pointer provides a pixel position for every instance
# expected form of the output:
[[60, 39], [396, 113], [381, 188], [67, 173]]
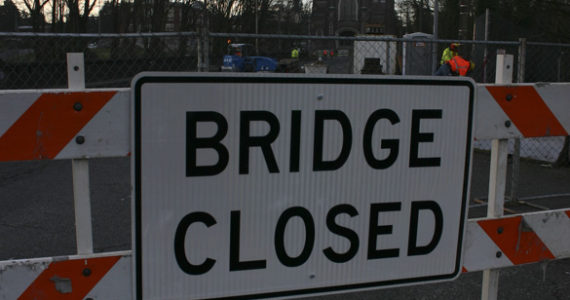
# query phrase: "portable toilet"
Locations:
[[417, 55]]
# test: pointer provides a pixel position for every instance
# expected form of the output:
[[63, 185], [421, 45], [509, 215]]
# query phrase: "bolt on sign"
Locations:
[[261, 186]]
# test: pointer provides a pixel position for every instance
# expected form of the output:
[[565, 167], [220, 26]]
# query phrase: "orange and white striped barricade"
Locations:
[[489, 243], [94, 276], [63, 124], [37, 125]]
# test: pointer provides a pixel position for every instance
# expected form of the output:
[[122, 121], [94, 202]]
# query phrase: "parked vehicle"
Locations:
[[239, 58]]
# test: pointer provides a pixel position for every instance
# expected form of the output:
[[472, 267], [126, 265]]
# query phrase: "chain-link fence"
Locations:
[[33, 61], [30, 60], [546, 149]]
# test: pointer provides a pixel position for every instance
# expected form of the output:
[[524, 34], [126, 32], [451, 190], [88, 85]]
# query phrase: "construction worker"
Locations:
[[457, 65], [295, 53], [449, 53], [460, 66]]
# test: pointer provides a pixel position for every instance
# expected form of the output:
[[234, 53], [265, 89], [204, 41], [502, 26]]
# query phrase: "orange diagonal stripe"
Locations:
[[527, 111], [49, 124], [520, 244], [69, 280]]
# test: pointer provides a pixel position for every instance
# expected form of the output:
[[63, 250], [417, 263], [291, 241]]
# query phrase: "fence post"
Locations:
[[497, 176], [517, 147], [203, 36], [206, 48], [80, 167], [485, 55], [521, 60], [559, 65], [387, 70], [564, 156], [434, 53]]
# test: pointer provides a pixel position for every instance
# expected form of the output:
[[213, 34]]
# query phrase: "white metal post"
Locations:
[[75, 71], [497, 176], [80, 167], [504, 69], [82, 202]]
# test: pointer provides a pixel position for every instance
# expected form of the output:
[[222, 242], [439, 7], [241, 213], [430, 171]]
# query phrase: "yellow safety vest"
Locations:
[[295, 53], [447, 55]]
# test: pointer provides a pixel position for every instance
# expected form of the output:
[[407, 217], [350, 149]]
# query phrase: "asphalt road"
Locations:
[[37, 220]]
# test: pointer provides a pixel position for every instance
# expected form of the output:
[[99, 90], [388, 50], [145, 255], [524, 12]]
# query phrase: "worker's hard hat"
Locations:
[[454, 45]]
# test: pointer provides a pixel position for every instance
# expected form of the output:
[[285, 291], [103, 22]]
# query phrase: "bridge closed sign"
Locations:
[[261, 186]]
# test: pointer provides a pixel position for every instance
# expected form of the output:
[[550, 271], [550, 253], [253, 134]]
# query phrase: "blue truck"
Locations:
[[239, 59]]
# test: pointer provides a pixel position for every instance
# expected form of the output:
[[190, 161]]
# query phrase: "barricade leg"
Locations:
[[495, 207], [80, 167], [497, 176], [82, 203]]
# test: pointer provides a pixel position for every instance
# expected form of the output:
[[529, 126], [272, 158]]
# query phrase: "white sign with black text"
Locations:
[[259, 186]]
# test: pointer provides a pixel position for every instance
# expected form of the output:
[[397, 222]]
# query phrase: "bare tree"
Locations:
[[418, 14], [9, 16], [255, 11], [158, 20], [119, 14], [188, 12], [77, 21], [221, 14], [57, 14], [36, 10], [159, 15]]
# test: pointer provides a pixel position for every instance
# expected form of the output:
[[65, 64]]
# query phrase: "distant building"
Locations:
[[353, 17]]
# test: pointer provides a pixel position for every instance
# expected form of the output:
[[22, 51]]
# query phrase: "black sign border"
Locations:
[[137, 85]]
